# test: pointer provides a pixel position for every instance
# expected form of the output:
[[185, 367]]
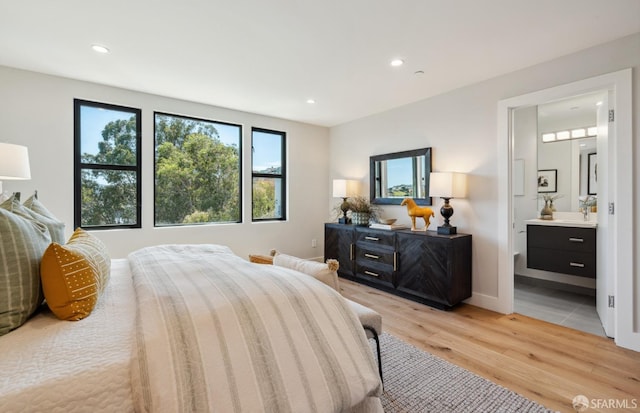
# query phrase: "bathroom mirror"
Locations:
[[395, 176], [570, 155]]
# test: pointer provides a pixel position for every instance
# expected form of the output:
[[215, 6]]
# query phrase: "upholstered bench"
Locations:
[[327, 273]]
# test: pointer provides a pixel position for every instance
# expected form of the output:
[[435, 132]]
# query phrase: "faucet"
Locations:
[[585, 212]]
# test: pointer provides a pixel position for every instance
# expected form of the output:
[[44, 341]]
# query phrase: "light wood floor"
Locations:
[[544, 362]]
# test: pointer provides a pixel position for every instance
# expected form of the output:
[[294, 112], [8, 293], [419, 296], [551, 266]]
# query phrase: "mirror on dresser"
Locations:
[[395, 176]]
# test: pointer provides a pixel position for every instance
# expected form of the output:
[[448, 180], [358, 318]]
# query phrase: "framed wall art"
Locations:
[[547, 181]]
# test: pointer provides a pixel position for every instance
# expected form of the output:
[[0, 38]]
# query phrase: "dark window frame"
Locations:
[[79, 166], [282, 175], [240, 167]]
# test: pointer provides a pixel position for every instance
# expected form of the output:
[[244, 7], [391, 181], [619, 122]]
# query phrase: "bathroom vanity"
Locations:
[[562, 246]]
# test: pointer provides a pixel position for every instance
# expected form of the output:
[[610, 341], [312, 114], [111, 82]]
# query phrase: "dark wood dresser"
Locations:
[[423, 266]]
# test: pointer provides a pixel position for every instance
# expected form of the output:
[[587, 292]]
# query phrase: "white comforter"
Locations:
[[218, 333], [49, 365], [292, 347]]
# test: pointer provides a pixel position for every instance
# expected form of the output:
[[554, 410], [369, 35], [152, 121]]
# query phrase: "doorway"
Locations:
[[622, 317], [553, 146]]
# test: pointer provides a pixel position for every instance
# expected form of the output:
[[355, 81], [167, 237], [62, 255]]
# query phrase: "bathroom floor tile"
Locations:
[[568, 309]]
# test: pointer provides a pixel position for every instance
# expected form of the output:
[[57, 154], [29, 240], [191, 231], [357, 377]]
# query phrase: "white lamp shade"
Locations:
[[344, 188], [448, 185], [14, 162]]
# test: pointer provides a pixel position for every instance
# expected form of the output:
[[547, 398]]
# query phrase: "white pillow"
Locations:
[[325, 273]]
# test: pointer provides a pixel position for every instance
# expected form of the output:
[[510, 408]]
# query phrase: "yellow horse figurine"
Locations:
[[417, 211]]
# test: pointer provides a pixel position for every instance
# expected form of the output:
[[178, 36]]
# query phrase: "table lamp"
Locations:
[[447, 185], [14, 163], [344, 188]]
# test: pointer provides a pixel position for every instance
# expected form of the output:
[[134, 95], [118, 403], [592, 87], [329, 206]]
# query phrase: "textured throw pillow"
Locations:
[[320, 271], [74, 275], [22, 243], [41, 214]]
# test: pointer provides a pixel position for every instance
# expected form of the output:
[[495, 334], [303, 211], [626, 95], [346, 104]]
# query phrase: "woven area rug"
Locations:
[[416, 381]]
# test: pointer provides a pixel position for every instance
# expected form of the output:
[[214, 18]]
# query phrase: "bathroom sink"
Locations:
[[564, 222]]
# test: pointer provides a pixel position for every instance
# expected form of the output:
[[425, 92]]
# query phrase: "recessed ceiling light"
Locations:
[[599, 103], [397, 62], [419, 72], [99, 48], [311, 101]]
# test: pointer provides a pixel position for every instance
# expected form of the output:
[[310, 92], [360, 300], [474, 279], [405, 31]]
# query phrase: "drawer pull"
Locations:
[[375, 257], [395, 261], [351, 252], [576, 264], [371, 273], [372, 239], [576, 240]]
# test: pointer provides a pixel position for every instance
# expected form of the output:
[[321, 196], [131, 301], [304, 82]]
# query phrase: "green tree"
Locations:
[[109, 196], [197, 175], [264, 198]]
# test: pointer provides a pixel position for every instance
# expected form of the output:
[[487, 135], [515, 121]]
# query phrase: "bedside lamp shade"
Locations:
[[14, 162], [344, 188], [447, 185]]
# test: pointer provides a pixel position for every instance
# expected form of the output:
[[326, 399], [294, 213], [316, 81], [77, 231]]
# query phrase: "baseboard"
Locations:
[[487, 302]]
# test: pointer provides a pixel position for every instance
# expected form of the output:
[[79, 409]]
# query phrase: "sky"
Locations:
[[399, 172]]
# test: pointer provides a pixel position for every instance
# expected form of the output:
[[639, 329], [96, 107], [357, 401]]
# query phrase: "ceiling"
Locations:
[[270, 57]]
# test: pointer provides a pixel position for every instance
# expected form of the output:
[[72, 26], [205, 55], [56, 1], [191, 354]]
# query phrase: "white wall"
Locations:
[[461, 127], [37, 111], [525, 206]]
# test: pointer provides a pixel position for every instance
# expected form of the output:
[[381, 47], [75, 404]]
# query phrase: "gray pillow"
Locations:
[[42, 214], [23, 241]]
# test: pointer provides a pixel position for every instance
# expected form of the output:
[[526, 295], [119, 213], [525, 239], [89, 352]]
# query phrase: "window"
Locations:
[[197, 171], [268, 173], [107, 166]]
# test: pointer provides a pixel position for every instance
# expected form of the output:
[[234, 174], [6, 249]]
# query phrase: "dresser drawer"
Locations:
[[375, 272], [378, 255], [562, 238], [582, 264], [373, 237]]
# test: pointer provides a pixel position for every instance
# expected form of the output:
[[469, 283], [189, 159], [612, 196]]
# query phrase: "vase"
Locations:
[[546, 212], [360, 218]]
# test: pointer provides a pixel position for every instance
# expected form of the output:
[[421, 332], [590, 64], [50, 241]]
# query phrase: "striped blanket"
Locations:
[[216, 333]]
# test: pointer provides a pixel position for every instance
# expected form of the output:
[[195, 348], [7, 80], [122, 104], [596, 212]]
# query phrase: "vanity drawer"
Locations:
[[582, 264], [562, 238], [373, 237]]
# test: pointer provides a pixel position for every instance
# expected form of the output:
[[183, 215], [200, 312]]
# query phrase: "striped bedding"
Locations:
[[220, 334]]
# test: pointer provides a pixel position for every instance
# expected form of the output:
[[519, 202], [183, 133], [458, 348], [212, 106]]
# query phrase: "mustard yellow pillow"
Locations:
[[74, 275]]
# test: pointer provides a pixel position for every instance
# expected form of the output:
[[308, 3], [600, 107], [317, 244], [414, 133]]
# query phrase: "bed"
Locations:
[[194, 328]]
